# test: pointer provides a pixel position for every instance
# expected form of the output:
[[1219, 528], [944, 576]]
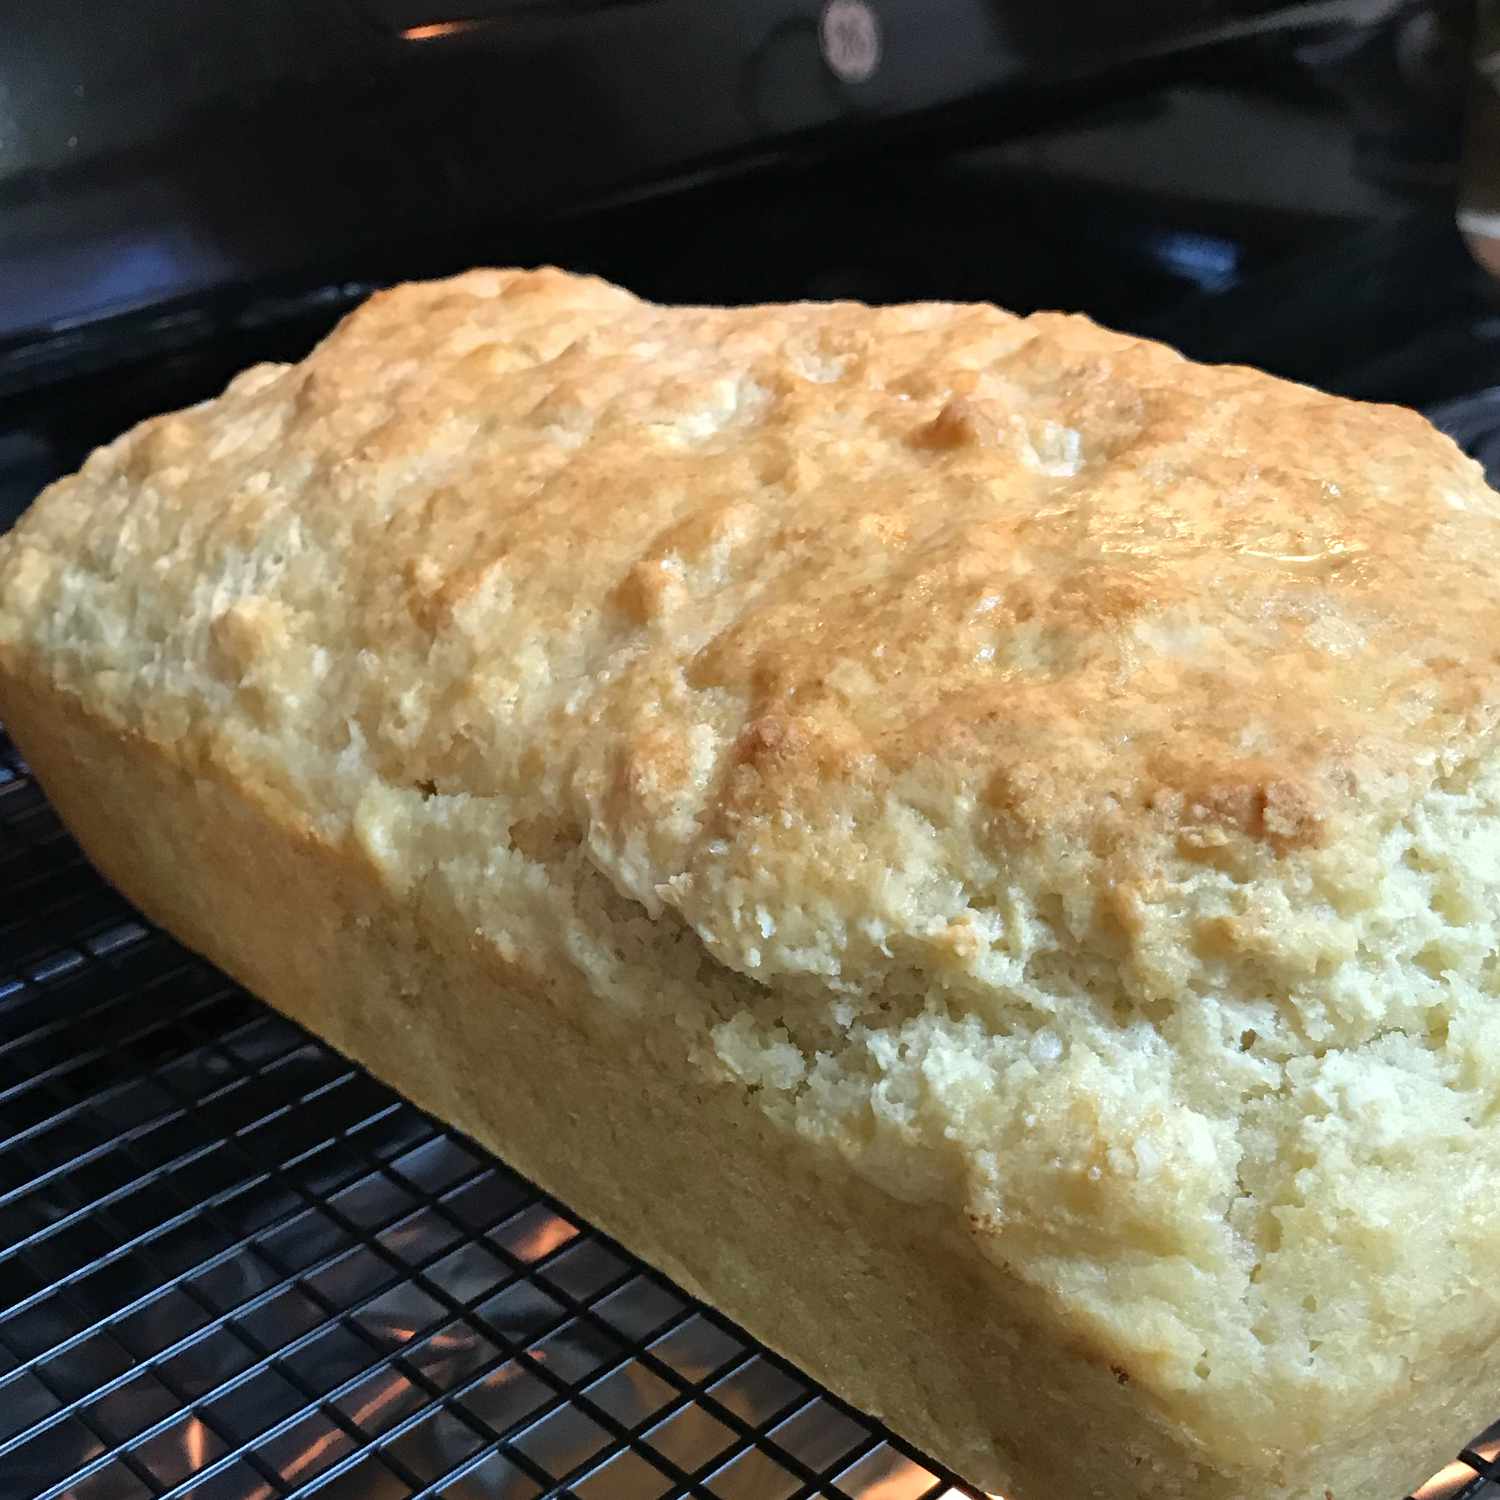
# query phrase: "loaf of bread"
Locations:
[[971, 842]]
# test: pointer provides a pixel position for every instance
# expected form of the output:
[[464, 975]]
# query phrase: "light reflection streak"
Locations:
[[543, 1239], [435, 29]]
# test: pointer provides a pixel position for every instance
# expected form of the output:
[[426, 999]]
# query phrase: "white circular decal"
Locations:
[[849, 34]]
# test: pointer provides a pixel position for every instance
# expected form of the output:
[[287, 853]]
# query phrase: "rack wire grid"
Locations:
[[235, 1267]]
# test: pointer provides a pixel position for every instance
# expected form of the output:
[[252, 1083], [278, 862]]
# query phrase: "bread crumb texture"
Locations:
[[1055, 777]]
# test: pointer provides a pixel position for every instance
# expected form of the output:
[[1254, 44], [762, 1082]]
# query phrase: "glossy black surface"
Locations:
[[157, 150], [1473, 422]]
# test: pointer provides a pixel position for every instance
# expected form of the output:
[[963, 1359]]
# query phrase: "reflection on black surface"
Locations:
[[1473, 422]]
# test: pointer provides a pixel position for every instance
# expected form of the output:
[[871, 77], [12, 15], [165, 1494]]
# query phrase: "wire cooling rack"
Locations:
[[235, 1267]]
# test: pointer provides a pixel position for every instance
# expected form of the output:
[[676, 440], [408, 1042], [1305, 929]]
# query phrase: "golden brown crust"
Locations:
[[1053, 781]]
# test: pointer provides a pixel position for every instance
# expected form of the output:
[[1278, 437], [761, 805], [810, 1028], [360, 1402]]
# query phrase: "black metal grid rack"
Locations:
[[235, 1267]]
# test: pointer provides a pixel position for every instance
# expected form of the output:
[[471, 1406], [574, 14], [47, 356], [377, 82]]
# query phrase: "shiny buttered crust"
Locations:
[[1046, 787]]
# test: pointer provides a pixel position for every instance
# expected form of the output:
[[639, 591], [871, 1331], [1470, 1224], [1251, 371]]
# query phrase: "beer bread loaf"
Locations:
[[970, 841]]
